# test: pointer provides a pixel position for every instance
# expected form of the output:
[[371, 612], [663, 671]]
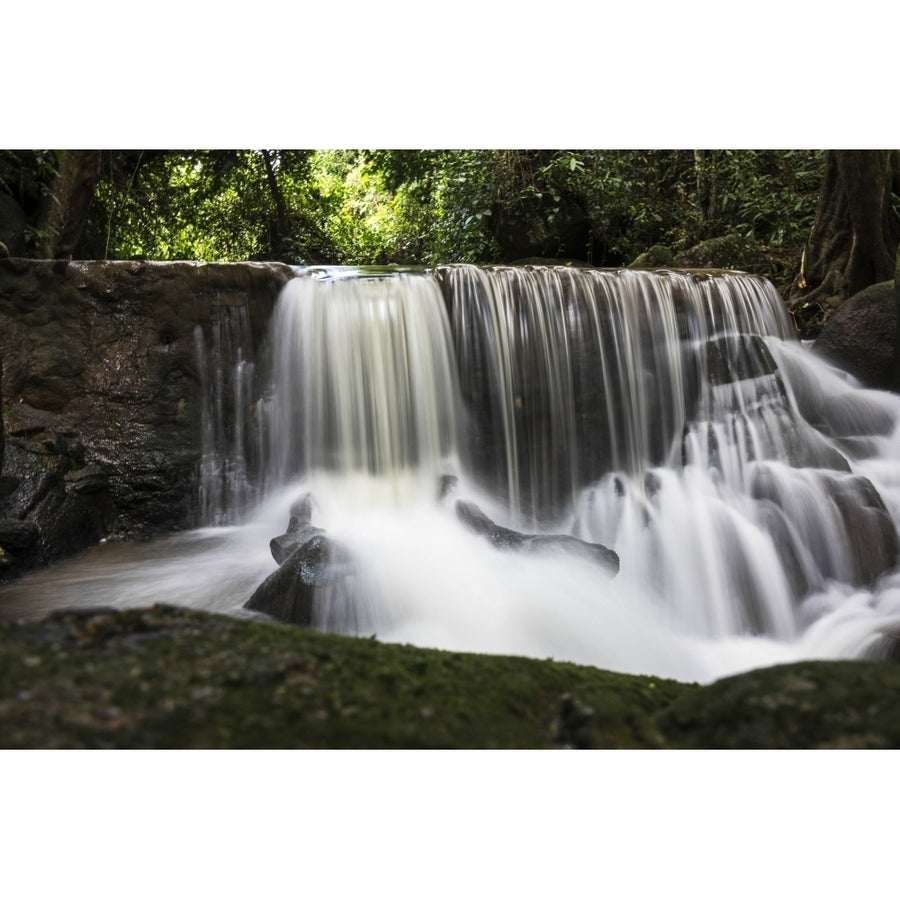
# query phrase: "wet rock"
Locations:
[[285, 545], [301, 510], [739, 357], [508, 539], [874, 543], [311, 566], [87, 480], [447, 486], [101, 391], [58, 502], [17, 535], [299, 531], [290, 593], [821, 507]]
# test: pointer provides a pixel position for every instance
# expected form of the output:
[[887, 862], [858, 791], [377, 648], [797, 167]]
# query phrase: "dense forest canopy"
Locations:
[[784, 214], [423, 206]]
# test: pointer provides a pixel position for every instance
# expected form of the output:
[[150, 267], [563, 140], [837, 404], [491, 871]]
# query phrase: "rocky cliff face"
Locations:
[[101, 395]]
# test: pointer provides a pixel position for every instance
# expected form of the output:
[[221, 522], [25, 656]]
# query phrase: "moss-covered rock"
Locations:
[[654, 257], [810, 705], [166, 677], [729, 251]]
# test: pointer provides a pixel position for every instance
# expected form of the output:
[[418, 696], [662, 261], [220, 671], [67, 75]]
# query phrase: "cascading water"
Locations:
[[752, 493], [365, 389], [230, 453]]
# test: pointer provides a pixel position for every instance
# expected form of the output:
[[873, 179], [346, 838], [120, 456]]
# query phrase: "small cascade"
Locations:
[[365, 388], [231, 441], [570, 373]]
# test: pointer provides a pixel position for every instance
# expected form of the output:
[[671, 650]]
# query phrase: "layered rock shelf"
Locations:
[[101, 395]]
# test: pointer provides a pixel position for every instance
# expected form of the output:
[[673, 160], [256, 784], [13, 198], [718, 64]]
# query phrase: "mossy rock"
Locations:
[[656, 257], [729, 251], [166, 677], [809, 705]]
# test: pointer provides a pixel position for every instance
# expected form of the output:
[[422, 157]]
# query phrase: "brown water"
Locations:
[[211, 569]]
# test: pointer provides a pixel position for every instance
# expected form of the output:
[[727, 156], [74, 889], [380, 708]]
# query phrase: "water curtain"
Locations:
[[672, 416]]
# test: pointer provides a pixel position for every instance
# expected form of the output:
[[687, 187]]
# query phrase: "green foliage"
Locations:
[[209, 205], [28, 177], [766, 195], [433, 206]]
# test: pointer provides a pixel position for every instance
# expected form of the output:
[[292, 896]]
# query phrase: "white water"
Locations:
[[718, 493]]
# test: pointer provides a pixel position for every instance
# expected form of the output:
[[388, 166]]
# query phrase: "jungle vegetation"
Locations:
[[820, 224], [412, 206]]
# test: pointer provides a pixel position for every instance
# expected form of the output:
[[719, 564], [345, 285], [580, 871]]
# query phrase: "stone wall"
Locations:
[[101, 395]]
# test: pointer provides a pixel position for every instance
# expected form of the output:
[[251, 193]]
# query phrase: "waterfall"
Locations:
[[231, 445], [751, 491], [573, 373], [365, 386], [671, 416]]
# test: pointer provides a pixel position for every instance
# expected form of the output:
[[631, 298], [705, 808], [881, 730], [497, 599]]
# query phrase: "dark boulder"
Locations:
[[852, 507], [507, 539], [290, 593], [51, 498], [17, 535], [859, 337], [311, 567]]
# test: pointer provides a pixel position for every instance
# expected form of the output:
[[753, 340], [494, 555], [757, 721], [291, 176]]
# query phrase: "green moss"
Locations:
[[842, 704], [174, 678]]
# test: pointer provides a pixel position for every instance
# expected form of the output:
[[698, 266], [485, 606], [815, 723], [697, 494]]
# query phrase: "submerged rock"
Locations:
[[310, 563], [507, 539], [290, 593]]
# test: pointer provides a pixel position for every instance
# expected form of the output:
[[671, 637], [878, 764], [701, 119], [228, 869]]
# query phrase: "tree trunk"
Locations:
[[704, 169], [66, 210], [282, 220], [896, 385], [2, 434], [853, 243]]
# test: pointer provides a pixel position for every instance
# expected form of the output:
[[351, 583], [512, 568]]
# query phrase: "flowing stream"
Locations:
[[751, 491]]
